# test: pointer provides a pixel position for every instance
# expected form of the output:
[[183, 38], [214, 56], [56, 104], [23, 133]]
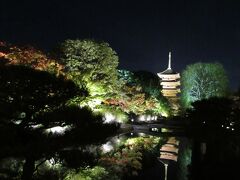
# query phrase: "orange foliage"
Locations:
[[29, 56], [2, 54], [132, 100]]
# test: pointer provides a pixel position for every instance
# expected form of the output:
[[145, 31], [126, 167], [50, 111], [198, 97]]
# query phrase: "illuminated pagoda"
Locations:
[[170, 82]]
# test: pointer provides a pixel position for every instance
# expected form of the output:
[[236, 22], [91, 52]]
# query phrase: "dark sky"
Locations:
[[141, 32]]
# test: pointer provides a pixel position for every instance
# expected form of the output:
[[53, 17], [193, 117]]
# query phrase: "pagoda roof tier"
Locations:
[[172, 76], [171, 90], [168, 71], [170, 83], [170, 95], [170, 87], [170, 80]]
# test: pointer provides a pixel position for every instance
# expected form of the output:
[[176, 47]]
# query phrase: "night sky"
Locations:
[[141, 32]]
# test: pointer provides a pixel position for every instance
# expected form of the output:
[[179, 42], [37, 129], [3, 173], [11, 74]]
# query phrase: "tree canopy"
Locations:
[[31, 92], [92, 64], [140, 94], [40, 95], [202, 81], [30, 57]]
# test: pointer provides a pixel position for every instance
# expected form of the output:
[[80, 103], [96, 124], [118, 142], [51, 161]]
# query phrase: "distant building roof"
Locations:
[[168, 71]]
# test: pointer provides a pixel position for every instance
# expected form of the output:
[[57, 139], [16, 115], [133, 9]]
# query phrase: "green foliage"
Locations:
[[92, 64], [11, 168], [117, 113], [127, 77], [146, 143], [202, 81], [149, 82], [184, 161], [95, 173]]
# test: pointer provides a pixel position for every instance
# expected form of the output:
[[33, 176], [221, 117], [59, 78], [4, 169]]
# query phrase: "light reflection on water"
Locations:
[[119, 140]]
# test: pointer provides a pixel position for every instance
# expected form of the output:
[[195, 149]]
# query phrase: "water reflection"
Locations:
[[131, 155]]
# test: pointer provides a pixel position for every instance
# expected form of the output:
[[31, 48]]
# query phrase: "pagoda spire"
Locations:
[[169, 60]]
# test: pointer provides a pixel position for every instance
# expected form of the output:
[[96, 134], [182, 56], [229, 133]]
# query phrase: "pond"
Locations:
[[131, 155]]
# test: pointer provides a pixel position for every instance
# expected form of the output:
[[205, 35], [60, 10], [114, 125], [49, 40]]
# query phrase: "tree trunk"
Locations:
[[28, 169]]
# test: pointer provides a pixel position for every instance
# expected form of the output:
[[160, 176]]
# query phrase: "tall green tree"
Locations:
[[93, 64], [202, 81]]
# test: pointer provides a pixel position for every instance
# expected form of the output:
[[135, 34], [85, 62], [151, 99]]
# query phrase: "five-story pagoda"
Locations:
[[170, 82]]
